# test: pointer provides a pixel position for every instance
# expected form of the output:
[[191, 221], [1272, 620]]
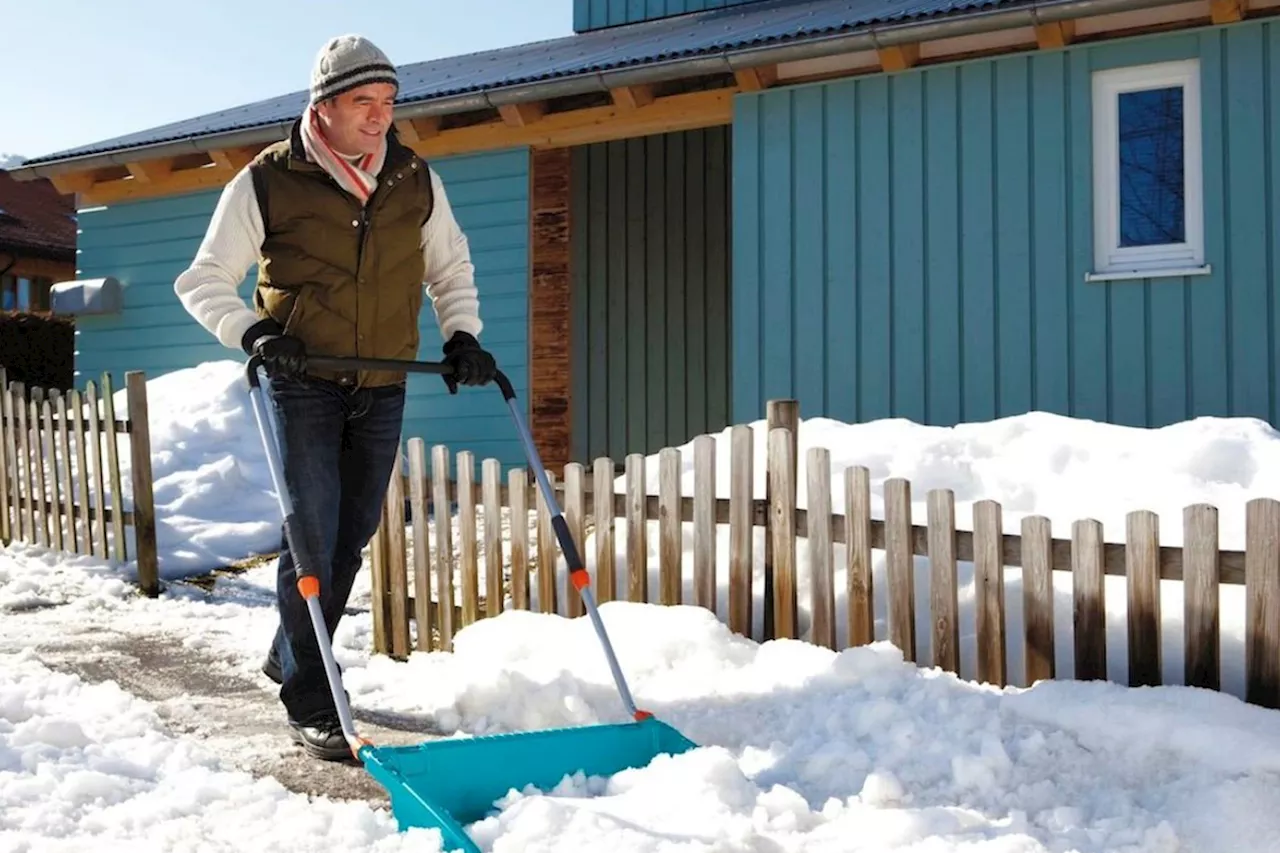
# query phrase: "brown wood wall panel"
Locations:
[[549, 368]]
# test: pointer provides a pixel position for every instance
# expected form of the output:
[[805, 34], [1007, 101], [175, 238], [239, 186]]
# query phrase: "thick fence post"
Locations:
[[144, 508], [779, 414], [782, 532]]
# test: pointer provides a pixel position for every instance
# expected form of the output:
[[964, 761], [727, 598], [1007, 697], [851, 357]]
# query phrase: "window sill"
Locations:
[[1170, 272]]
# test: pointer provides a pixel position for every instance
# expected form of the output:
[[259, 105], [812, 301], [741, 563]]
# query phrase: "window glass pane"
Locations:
[[1152, 210]]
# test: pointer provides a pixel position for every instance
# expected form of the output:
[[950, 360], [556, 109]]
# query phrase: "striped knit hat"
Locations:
[[346, 62]]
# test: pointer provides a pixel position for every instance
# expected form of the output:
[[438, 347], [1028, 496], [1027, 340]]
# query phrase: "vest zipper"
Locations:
[[364, 225], [360, 246]]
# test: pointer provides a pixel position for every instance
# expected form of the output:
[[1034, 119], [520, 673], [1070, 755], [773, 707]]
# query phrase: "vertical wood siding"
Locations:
[[594, 14], [915, 245], [146, 244], [650, 323], [550, 286]]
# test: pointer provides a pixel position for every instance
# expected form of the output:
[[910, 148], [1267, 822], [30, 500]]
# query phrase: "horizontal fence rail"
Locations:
[[470, 549], [61, 474]]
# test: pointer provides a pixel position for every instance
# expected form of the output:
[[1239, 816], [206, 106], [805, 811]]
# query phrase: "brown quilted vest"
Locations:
[[346, 279]]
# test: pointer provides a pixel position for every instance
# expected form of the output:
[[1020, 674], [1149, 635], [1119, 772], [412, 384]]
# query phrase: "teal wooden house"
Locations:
[[944, 210]]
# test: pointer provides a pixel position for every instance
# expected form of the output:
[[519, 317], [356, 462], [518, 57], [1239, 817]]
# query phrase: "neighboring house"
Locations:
[[942, 211], [37, 242]]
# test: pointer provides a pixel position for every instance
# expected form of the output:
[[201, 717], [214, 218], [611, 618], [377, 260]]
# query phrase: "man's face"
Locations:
[[355, 121]]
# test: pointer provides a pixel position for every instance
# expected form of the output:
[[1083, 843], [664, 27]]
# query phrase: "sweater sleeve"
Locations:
[[209, 288], [450, 275]]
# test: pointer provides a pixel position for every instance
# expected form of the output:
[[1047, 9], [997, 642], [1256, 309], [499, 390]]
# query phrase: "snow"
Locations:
[[800, 748], [83, 761], [205, 449]]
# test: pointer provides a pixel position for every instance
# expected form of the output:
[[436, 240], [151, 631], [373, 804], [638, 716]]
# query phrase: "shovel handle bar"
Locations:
[[308, 583], [342, 362]]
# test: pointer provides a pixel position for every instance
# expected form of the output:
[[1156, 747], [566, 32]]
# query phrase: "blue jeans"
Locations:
[[338, 446]]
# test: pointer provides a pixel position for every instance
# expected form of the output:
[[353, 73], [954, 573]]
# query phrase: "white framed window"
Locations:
[[1148, 198]]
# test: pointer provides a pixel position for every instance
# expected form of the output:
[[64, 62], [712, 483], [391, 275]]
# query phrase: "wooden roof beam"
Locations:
[[554, 130], [408, 133], [150, 171], [633, 97], [426, 126], [899, 57], [1228, 11], [521, 114], [233, 159], [183, 180], [686, 111], [1055, 34], [70, 183], [756, 78], [413, 130]]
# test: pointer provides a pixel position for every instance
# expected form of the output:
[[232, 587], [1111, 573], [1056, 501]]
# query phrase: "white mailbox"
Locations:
[[87, 296]]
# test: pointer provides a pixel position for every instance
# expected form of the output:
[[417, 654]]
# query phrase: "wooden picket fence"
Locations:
[[409, 569], [60, 470]]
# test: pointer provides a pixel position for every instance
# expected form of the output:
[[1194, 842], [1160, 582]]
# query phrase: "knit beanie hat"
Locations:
[[346, 62]]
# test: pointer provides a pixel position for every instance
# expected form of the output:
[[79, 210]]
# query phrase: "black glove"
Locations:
[[471, 364], [283, 356]]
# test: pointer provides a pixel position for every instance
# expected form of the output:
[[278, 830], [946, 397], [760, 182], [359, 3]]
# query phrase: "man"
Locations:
[[349, 228]]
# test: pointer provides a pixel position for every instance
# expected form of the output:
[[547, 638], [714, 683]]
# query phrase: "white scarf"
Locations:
[[358, 178]]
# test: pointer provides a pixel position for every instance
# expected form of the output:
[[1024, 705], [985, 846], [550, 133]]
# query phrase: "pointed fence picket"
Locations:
[[60, 473], [510, 525]]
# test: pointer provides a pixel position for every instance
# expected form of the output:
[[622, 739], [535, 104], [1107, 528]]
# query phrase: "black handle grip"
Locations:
[[345, 362]]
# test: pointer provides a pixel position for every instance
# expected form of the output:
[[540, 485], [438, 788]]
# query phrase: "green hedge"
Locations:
[[38, 350]]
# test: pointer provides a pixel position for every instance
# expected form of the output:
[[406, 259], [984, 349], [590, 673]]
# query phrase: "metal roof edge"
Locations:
[[868, 36]]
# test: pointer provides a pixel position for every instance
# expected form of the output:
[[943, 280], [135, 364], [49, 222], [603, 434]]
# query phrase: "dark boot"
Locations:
[[271, 667], [322, 737]]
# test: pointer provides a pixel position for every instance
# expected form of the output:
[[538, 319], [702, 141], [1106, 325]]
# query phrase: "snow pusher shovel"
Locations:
[[449, 783]]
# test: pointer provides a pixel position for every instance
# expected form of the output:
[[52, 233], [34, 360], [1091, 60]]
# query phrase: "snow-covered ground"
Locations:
[[801, 748]]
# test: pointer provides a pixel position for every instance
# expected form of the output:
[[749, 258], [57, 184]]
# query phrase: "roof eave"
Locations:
[[43, 251], [969, 22]]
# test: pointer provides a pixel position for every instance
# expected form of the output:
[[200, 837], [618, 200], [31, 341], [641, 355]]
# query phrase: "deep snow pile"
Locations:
[[216, 504], [800, 748]]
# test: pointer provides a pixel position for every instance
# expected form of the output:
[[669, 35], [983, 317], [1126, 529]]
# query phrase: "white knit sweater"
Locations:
[[208, 289]]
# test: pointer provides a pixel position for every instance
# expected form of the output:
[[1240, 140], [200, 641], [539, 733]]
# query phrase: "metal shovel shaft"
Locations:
[[303, 561], [577, 569]]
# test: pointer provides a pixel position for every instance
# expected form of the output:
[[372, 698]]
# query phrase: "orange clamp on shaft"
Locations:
[[581, 579], [309, 587]]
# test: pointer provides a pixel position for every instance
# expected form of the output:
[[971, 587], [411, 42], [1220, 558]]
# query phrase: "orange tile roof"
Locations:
[[36, 220]]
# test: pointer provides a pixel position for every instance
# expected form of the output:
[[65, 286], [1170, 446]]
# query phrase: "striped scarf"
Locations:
[[359, 178]]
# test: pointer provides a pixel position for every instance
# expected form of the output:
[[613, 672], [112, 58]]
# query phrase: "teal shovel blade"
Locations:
[[447, 784]]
